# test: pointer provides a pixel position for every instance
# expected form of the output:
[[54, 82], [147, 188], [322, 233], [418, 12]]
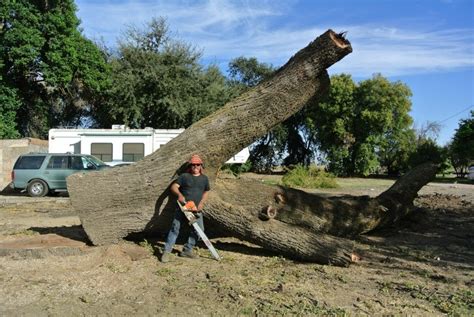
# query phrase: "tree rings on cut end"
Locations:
[[267, 213], [279, 198]]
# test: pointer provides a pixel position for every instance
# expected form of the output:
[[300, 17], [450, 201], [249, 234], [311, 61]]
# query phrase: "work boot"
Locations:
[[166, 257], [188, 254]]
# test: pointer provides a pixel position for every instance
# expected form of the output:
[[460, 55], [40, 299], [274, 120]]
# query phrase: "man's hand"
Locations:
[[203, 201]]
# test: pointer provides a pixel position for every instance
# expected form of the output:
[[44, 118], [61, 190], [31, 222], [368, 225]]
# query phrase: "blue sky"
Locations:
[[427, 44]]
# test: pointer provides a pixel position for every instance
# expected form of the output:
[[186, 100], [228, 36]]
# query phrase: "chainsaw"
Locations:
[[187, 210]]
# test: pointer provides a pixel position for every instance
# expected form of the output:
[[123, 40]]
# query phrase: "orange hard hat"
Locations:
[[195, 159]]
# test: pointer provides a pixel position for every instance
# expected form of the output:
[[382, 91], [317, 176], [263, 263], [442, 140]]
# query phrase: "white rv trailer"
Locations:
[[119, 144]]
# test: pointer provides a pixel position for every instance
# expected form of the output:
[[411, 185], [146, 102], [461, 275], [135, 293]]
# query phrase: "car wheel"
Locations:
[[37, 188]]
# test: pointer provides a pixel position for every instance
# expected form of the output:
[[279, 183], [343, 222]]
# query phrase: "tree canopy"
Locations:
[[461, 150], [49, 72], [361, 127], [158, 82], [356, 129]]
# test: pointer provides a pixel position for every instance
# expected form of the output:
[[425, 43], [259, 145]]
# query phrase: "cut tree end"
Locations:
[[268, 213], [339, 39], [355, 258]]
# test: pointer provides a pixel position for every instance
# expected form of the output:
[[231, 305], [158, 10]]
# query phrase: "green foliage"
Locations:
[[9, 105], [158, 82], [361, 127], [332, 119], [395, 150], [49, 73], [427, 151], [309, 177], [270, 149], [237, 169], [248, 72], [461, 150]]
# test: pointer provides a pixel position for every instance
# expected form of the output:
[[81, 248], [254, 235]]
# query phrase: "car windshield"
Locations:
[[96, 161]]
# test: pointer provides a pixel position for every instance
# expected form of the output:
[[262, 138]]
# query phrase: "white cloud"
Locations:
[[402, 51], [226, 29]]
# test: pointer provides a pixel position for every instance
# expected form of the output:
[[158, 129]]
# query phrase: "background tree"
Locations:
[[425, 147], [361, 127], [396, 148], [427, 151], [248, 72], [9, 105], [158, 82], [332, 121], [50, 73], [461, 150]]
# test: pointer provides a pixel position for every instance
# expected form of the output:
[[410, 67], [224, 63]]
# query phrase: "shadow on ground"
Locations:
[[76, 233], [439, 237]]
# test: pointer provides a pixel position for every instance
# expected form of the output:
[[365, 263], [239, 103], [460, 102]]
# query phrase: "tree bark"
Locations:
[[347, 216], [115, 203]]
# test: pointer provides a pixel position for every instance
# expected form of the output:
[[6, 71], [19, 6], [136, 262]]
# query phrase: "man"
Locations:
[[190, 186]]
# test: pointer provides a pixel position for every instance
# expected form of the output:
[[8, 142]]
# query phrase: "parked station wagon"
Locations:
[[43, 173]]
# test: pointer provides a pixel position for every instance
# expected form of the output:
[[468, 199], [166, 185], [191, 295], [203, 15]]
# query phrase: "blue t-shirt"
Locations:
[[193, 187]]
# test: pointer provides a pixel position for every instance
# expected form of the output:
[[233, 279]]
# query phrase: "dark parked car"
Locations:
[[43, 173]]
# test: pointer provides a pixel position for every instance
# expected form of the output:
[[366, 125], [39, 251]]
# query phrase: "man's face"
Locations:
[[196, 169]]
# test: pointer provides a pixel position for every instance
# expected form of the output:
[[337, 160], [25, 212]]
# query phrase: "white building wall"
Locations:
[[163, 136], [63, 141]]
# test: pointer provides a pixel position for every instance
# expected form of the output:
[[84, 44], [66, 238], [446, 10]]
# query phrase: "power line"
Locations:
[[455, 114]]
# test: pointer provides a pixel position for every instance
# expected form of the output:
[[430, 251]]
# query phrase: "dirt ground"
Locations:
[[422, 267]]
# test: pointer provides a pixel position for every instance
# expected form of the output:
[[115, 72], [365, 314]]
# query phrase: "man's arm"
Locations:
[[175, 190], [203, 200]]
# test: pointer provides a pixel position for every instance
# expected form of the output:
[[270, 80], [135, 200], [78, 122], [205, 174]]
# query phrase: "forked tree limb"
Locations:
[[344, 216]]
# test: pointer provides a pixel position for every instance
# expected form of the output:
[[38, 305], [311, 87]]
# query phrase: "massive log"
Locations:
[[343, 216], [115, 203]]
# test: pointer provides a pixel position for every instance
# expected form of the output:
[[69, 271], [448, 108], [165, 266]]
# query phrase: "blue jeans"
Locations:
[[178, 221]]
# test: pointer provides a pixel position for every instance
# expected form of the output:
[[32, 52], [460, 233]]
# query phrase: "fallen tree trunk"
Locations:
[[115, 203], [235, 207], [342, 216]]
